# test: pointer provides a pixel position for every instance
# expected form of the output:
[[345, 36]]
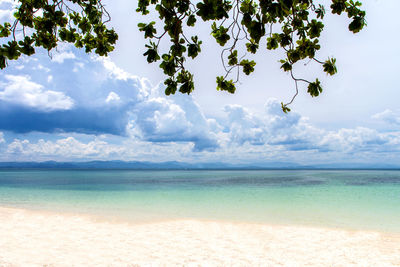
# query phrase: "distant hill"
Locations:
[[138, 165], [175, 165]]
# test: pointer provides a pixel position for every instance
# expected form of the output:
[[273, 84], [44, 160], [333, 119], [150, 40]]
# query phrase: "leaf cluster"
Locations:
[[294, 26], [40, 23]]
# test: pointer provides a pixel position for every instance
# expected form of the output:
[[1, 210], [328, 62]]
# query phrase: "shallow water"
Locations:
[[341, 198]]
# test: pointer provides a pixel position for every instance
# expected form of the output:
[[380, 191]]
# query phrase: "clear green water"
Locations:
[[341, 198]]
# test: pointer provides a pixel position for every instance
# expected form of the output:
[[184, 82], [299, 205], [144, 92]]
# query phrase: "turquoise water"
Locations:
[[341, 198]]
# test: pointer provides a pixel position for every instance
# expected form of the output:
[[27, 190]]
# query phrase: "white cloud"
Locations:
[[5, 14], [172, 119], [360, 139], [78, 66], [59, 57], [152, 126], [7, 10], [276, 118], [17, 146], [291, 132], [134, 106], [272, 127], [153, 116], [300, 143], [22, 91], [388, 116], [43, 68], [2, 138], [113, 97], [69, 147], [244, 126], [113, 69]]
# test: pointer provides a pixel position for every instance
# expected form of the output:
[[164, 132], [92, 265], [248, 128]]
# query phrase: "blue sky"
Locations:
[[78, 107]]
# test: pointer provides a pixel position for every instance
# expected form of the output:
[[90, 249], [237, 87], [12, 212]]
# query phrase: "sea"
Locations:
[[351, 199]]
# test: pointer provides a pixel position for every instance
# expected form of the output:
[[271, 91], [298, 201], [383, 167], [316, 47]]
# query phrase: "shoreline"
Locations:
[[37, 238], [134, 220]]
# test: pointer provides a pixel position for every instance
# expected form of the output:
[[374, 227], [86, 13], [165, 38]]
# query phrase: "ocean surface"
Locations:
[[353, 199]]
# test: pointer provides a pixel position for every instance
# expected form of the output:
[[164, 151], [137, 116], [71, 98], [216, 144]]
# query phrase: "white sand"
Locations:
[[31, 238]]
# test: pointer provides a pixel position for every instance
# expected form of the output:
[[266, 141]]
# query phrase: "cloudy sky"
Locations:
[[78, 107]]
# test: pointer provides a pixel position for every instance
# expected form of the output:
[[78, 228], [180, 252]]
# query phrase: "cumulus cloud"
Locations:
[[78, 66], [76, 102], [346, 140], [41, 68], [172, 119], [60, 57], [7, 9], [107, 100], [276, 131], [276, 118], [89, 147], [360, 139], [165, 130], [2, 138], [114, 70], [388, 116], [69, 147], [271, 127], [20, 90], [243, 126], [112, 97]]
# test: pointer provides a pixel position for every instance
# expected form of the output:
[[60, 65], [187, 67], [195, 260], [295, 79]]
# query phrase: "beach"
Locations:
[[199, 218], [42, 238]]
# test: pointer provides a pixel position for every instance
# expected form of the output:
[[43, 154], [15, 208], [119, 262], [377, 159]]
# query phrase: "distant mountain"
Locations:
[[175, 165], [356, 166], [139, 165]]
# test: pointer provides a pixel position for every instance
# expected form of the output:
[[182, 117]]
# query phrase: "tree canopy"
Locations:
[[294, 26]]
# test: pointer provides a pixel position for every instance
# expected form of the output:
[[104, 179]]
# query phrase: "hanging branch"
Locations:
[[299, 24]]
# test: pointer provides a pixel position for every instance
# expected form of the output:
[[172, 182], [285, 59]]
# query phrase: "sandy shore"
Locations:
[[31, 238]]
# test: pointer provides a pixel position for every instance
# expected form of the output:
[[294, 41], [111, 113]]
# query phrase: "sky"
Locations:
[[75, 106]]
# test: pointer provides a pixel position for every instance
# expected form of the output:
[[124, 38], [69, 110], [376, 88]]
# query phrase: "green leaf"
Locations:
[[152, 54], [3, 62], [191, 20], [248, 66], [232, 58], [293, 55], [193, 50], [320, 11], [330, 66], [148, 29], [168, 65], [286, 66], [338, 6], [171, 86], [185, 78], [252, 47], [26, 46], [224, 85], [357, 24], [285, 108], [5, 30], [315, 28], [272, 42], [314, 88], [220, 34]]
